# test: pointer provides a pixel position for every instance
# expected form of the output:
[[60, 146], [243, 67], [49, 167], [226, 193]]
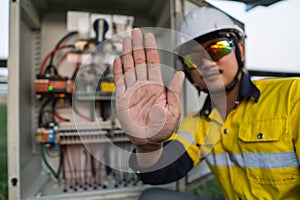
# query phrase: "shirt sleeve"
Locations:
[[180, 154], [294, 119], [173, 164]]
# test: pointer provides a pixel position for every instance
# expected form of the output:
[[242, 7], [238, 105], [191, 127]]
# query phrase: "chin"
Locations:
[[217, 91], [215, 87]]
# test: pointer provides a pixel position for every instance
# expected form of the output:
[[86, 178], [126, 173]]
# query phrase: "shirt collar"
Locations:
[[247, 90]]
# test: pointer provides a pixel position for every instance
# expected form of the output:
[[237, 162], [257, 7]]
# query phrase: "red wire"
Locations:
[[80, 171], [69, 164], [78, 64], [60, 117], [74, 163], [86, 167], [49, 54], [82, 116], [98, 172]]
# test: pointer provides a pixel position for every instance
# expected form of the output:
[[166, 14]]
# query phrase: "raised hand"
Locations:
[[147, 112]]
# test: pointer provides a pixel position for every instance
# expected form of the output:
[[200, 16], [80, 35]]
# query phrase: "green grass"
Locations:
[[208, 189], [3, 153]]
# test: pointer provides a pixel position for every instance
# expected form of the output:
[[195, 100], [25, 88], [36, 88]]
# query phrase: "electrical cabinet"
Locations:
[[64, 141]]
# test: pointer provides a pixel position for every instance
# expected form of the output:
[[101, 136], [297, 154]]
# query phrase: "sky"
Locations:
[[273, 34]]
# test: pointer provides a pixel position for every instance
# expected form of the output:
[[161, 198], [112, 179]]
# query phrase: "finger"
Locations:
[[175, 87], [117, 70], [128, 63], [118, 77], [139, 54], [153, 62]]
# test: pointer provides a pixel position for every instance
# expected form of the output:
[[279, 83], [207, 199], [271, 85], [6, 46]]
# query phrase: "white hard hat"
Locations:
[[204, 20]]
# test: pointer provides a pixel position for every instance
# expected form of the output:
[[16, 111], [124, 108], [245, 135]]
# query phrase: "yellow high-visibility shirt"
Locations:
[[255, 152]]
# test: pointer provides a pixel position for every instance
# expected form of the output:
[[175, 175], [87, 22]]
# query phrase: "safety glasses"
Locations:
[[214, 51]]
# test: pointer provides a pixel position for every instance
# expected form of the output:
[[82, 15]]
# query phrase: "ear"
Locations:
[[242, 50]]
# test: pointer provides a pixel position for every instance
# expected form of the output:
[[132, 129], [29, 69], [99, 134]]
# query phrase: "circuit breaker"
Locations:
[[76, 131]]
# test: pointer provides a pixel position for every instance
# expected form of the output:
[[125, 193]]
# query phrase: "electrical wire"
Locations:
[[99, 167], [78, 63], [81, 115], [60, 61], [93, 168], [70, 167], [60, 117], [80, 164], [42, 148], [50, 65], [77, 163], [60, 42], [74, 164], [52, 153], [64, 167], [40, 121], [61, 160], [55, 114], [44, 118], [78, 113], [86, 156], [51, 53]]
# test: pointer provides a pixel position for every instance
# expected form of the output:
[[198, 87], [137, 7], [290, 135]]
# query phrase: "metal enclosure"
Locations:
[[35, 25]]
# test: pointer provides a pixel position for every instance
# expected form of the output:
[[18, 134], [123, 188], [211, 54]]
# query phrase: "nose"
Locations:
[[207, 63]]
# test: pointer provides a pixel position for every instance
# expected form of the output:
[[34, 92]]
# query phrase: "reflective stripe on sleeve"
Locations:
[[219, 160], [188, 136], [255, 160]]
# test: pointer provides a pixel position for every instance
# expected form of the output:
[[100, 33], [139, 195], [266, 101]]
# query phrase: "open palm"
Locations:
[[147, 112]]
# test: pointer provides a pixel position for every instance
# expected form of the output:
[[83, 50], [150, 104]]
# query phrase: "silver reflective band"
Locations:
[[188, 136], [255, 160]]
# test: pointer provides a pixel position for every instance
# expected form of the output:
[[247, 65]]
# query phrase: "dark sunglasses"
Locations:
[[214, 51]]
